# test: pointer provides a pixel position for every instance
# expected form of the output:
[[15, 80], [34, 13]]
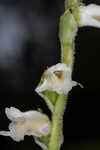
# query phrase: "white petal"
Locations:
[[17, 131], [90, 15], [42, 86], [14, 137], [5, 133], [34, 115], [92, 9], [38, 125], [13, 114], [58, 67]]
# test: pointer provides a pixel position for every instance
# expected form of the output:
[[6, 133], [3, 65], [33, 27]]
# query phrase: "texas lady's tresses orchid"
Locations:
[[31, 123], [58, 79], [55, 83]]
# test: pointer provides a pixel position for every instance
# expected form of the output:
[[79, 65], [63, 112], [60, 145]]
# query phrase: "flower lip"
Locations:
[[13, 113]]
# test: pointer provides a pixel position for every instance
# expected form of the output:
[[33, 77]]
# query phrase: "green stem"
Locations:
[[67, 33], [72, 3], [57, 124], [68, 29]]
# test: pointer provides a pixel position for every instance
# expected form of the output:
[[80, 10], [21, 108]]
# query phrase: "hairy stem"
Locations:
[[57, 123], [67, 32]]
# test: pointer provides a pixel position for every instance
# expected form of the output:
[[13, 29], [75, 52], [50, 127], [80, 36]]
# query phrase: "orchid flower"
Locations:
[[31, 123], [58, 79], [90, 15]]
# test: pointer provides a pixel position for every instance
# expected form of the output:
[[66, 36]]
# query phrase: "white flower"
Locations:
[[58, 79], [90, 15], [26, 123]]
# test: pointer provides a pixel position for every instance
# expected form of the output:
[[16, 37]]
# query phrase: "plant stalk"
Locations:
[[57, 123], [67, 32]]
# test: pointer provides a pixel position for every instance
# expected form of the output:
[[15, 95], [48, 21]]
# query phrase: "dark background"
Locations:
[[28, 44]]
